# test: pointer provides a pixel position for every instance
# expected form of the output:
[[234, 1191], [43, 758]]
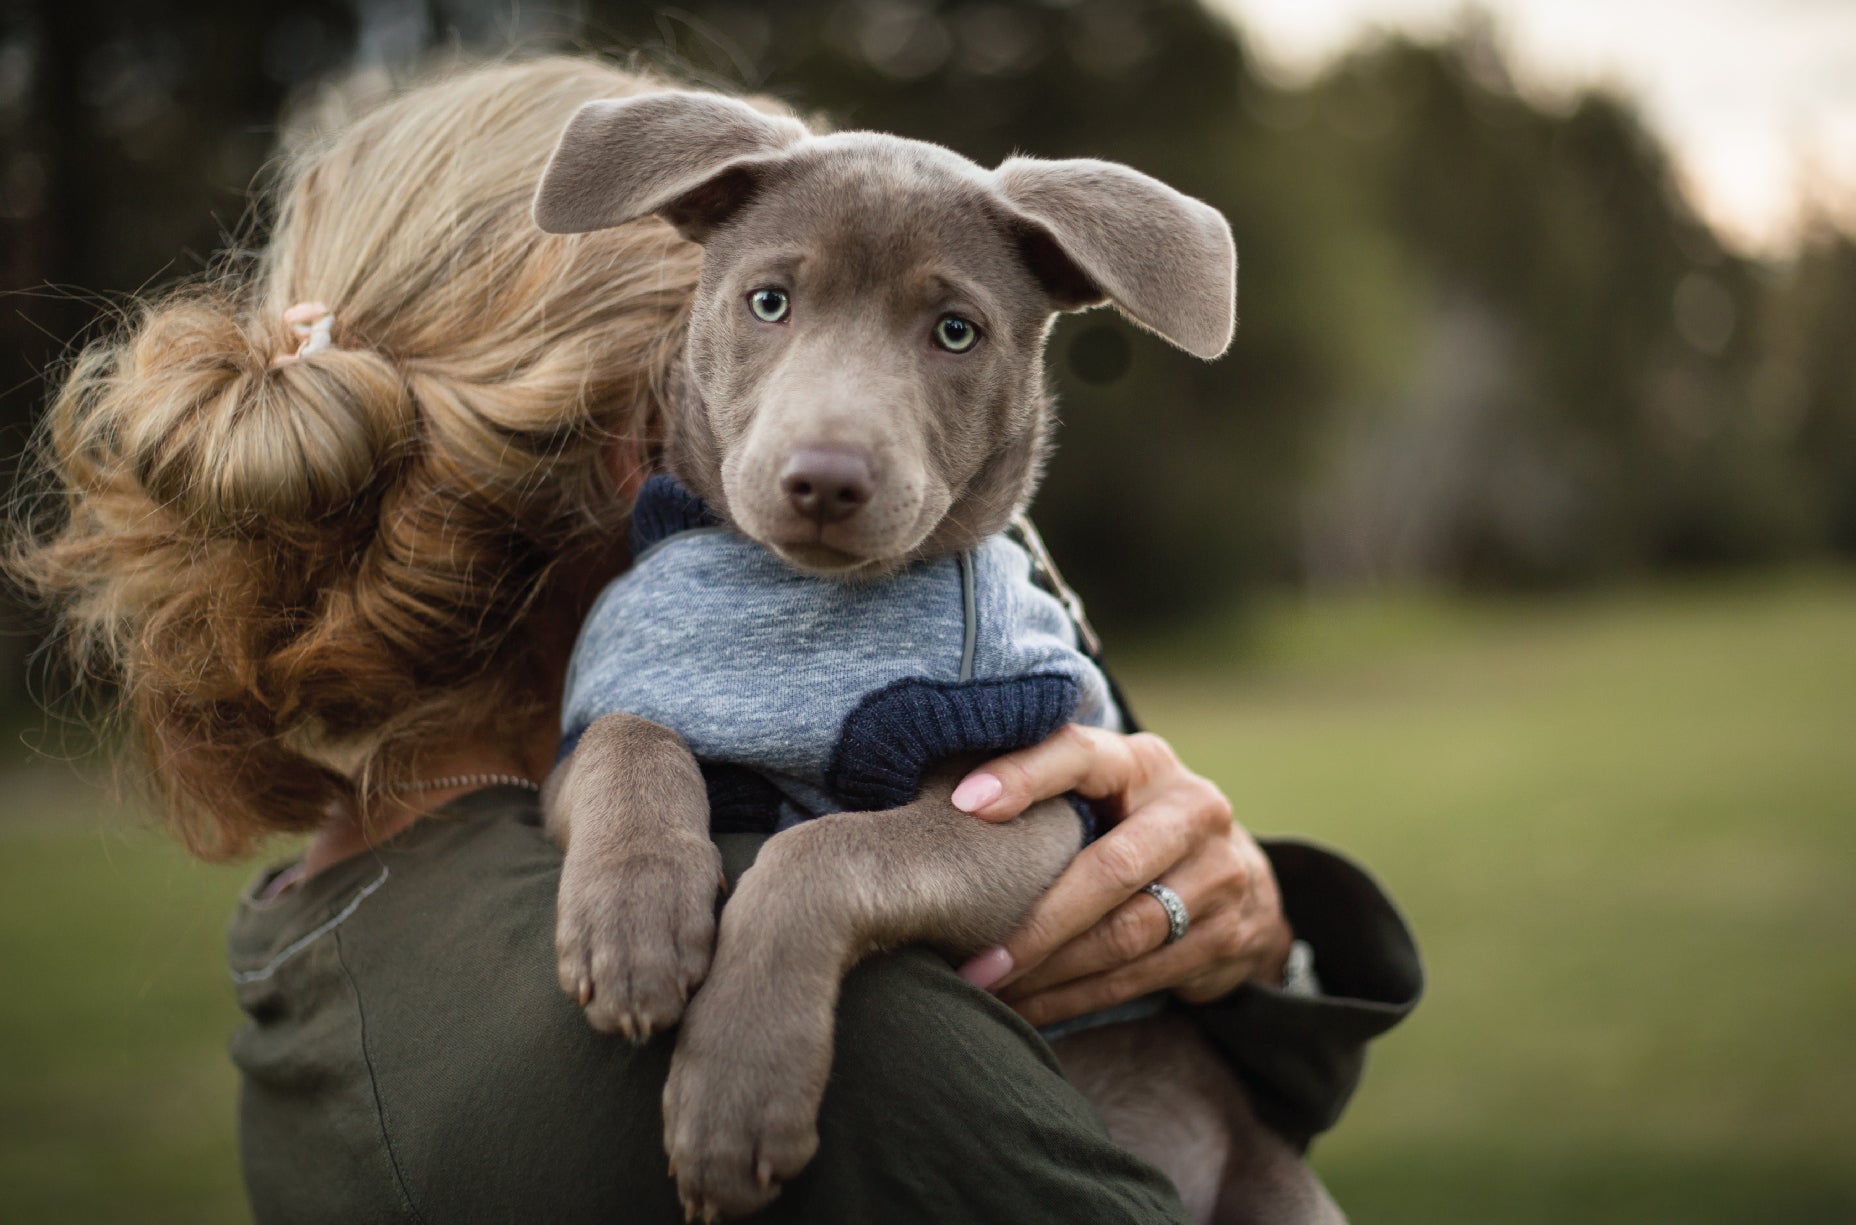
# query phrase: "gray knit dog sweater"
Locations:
[[801, 696]]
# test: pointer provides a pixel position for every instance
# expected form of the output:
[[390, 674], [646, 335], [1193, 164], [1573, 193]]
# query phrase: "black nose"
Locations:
[[827, 484]]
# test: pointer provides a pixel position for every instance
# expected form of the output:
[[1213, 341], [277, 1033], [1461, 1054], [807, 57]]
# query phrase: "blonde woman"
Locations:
[[329, 524]]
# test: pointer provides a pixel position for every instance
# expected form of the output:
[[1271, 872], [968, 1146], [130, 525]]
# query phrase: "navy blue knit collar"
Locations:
[[664, 508]]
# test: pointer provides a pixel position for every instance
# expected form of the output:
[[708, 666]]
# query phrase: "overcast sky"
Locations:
[[1757, 99]]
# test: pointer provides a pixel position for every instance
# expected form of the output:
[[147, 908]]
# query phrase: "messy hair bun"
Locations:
[[303, 575], [232, 438]]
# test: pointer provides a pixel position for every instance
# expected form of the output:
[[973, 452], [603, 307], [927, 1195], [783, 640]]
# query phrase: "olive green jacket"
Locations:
[[407, 1055]]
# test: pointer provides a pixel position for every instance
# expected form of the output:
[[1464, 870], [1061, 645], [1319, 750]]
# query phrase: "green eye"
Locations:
[[770, 305], [955, 334]]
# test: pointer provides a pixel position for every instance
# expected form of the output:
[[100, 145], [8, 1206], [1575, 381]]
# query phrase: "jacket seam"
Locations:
[[373, 1085]]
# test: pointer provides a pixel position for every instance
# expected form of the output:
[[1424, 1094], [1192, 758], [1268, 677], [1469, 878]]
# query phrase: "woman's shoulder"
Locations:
[[406, 1037], [456, 893]]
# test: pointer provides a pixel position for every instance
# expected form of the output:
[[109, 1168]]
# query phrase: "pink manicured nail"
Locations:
[[976, 791], [988, 968]]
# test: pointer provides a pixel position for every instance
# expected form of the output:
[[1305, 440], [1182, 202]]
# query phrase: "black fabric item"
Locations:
[[740, 800], [1301, 1057]]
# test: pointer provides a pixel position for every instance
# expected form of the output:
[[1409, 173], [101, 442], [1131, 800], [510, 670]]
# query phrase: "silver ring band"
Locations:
[[1177, 920]]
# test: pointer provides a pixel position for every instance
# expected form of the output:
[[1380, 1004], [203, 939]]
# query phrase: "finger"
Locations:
[[1103, 875], [1157, 971], [1215, 876], [1092, 762], [1131, 930], [1005, 786]]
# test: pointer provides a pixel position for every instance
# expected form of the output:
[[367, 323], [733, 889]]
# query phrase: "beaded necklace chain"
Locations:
[[469, 780]]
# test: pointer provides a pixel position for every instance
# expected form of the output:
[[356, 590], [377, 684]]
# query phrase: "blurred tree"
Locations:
[[131, 134], [1581, 406], [1804, 393]]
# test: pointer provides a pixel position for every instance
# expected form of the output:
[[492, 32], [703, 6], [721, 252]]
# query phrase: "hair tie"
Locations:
[[314, 325]]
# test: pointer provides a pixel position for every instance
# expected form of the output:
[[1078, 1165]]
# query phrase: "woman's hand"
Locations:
[[1094, 938]]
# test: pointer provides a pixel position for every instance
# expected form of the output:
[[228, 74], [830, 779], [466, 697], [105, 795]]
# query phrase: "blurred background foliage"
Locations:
[[1489, 354], [1485, 341]]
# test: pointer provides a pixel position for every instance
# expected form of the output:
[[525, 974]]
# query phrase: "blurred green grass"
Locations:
[[116, 1097], [1621, 827]]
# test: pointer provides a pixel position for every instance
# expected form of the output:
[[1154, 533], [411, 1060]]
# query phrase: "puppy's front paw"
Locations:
[[635, 930], [741, 1104]]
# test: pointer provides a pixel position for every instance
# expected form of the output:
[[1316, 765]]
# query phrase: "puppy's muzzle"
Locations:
[[827, 484]]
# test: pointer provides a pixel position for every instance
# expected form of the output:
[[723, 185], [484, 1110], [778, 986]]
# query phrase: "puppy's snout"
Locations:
[[827, 484]]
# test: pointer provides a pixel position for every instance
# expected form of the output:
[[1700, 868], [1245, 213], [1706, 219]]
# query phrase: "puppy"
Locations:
[[826, 621]]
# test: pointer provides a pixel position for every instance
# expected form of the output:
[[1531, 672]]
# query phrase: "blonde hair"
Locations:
[[303, 578]]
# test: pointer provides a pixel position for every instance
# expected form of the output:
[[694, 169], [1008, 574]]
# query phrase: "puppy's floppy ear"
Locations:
[[1100, 232], [691, 157]]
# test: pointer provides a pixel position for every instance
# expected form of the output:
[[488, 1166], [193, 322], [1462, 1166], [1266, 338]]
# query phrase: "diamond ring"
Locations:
[[1177, 920]]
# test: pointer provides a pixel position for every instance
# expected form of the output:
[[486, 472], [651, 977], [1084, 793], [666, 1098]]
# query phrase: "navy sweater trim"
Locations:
[[891, 737], [664, 508]]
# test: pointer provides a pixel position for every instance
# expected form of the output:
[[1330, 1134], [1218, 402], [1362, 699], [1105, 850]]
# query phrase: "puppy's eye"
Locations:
[[955, 334], [770, 305]]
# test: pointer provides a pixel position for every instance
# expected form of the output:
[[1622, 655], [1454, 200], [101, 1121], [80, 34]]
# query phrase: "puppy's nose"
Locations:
[[827, 484]]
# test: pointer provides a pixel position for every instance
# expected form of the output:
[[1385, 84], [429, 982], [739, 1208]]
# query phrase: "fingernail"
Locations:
[[988, 968], [976, 791]]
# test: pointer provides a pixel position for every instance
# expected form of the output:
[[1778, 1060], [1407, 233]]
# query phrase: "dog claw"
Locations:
[[586, 992], [672, 1172], [625, 1026], [689, 1211], [763, 1173]]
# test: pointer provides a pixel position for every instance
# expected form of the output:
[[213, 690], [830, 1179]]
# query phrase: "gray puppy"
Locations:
[[862, 393]]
